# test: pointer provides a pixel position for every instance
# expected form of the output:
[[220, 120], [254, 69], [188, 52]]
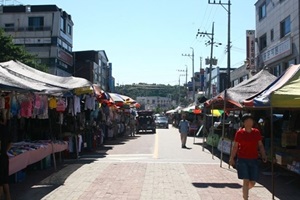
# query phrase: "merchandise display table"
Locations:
[[23, 154]]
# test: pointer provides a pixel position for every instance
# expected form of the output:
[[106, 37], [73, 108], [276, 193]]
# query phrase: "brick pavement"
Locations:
[[133, 180], [196, 175]]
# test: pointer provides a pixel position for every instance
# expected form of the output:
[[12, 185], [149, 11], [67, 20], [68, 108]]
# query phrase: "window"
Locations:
[[272, 34], [277, 70], [262, 11], [9, 27], [285, 27], [63, 24], [291, 62], [69, 29], [35, 23], [263, 42]]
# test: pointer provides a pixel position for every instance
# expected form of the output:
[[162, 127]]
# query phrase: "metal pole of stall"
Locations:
[[51, 133], [272, 153], [213, 129], [76, 137], [204, 124], [223, 127]]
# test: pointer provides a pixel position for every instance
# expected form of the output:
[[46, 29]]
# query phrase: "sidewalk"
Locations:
[[141, 176]]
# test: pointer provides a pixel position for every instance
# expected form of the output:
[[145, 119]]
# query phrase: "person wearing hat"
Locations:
[[247, 142]]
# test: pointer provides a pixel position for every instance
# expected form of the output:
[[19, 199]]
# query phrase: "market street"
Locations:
[[149, 166]]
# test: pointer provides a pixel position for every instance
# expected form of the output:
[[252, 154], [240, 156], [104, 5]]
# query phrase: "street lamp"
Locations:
[[193, 73]]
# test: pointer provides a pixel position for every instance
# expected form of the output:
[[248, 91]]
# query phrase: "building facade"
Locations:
[[218, 81], [277, 34], [95, 67], [155, 102], [45, 31]]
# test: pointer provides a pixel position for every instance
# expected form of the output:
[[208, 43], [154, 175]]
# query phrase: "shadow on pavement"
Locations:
[[39, 183], [286, 183], [217, 185]]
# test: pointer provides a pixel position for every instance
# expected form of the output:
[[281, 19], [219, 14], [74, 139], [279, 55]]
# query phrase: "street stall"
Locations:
[[175, 115], [193, 114], [38, 105], [230, 100], [282, 96]]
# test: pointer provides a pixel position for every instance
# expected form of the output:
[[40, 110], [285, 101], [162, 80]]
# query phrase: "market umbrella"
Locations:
[[127, 99], [100, 94], [217, 112], [197, 111], [117, 99]]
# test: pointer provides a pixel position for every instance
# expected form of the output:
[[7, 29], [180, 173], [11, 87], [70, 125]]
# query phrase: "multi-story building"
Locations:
[[45, 31], [155, 102], [218, 80], [277, 34], [95, 67], [239, 75]]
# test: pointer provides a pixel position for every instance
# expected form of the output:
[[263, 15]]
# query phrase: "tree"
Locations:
[[10, 51]]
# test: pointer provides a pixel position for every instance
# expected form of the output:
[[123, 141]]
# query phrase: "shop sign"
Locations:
[[32, 41], [67, 58], [278, 51], [250, 49]]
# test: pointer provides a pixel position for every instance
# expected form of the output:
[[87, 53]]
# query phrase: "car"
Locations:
[[145, 121], [161, 122]]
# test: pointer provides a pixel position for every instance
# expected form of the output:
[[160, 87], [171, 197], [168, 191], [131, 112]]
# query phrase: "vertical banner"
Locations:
[[250, 34]]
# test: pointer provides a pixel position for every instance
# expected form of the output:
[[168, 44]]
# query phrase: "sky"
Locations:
[[145, 39]]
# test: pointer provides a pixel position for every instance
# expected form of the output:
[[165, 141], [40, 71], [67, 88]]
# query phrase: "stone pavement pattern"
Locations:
[[132, 180], [171, 174]]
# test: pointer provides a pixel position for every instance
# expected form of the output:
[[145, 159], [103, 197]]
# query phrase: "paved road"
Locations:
[[149, 166]]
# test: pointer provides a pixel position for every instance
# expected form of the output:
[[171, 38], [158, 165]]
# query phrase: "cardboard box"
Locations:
[[289, 139], [282, 158]]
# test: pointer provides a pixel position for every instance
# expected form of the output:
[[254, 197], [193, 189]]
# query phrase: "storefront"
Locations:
[[282, 96], [36, 107]]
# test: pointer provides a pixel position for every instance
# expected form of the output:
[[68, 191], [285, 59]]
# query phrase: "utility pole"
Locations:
[[228, 85], [193, 73], [211, 60], [179, 88], [186, 73], [201, 86], [179, 91]]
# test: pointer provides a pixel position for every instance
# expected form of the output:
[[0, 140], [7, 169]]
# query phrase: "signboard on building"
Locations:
[[250, 34], [277, 51], [32, 41], [64, 56]]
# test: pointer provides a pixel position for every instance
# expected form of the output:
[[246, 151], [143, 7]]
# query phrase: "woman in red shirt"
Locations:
[[247, 142]]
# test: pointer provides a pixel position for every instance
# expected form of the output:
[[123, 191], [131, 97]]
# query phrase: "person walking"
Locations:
[[183, 128], [247, 142], [4, 159]]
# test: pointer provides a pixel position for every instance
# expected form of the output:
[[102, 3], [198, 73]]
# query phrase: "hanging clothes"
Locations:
[[26, 103], [52, 103], [61, 105], [14, 106], [77, 107]]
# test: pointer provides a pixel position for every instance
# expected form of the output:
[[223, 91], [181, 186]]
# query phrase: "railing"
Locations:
[[28, 28]]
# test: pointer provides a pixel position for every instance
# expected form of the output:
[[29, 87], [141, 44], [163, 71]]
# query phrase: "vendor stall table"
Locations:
[[33, 155]]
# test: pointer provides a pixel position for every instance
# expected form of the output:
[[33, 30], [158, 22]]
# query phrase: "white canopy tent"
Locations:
[[18, 76]]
